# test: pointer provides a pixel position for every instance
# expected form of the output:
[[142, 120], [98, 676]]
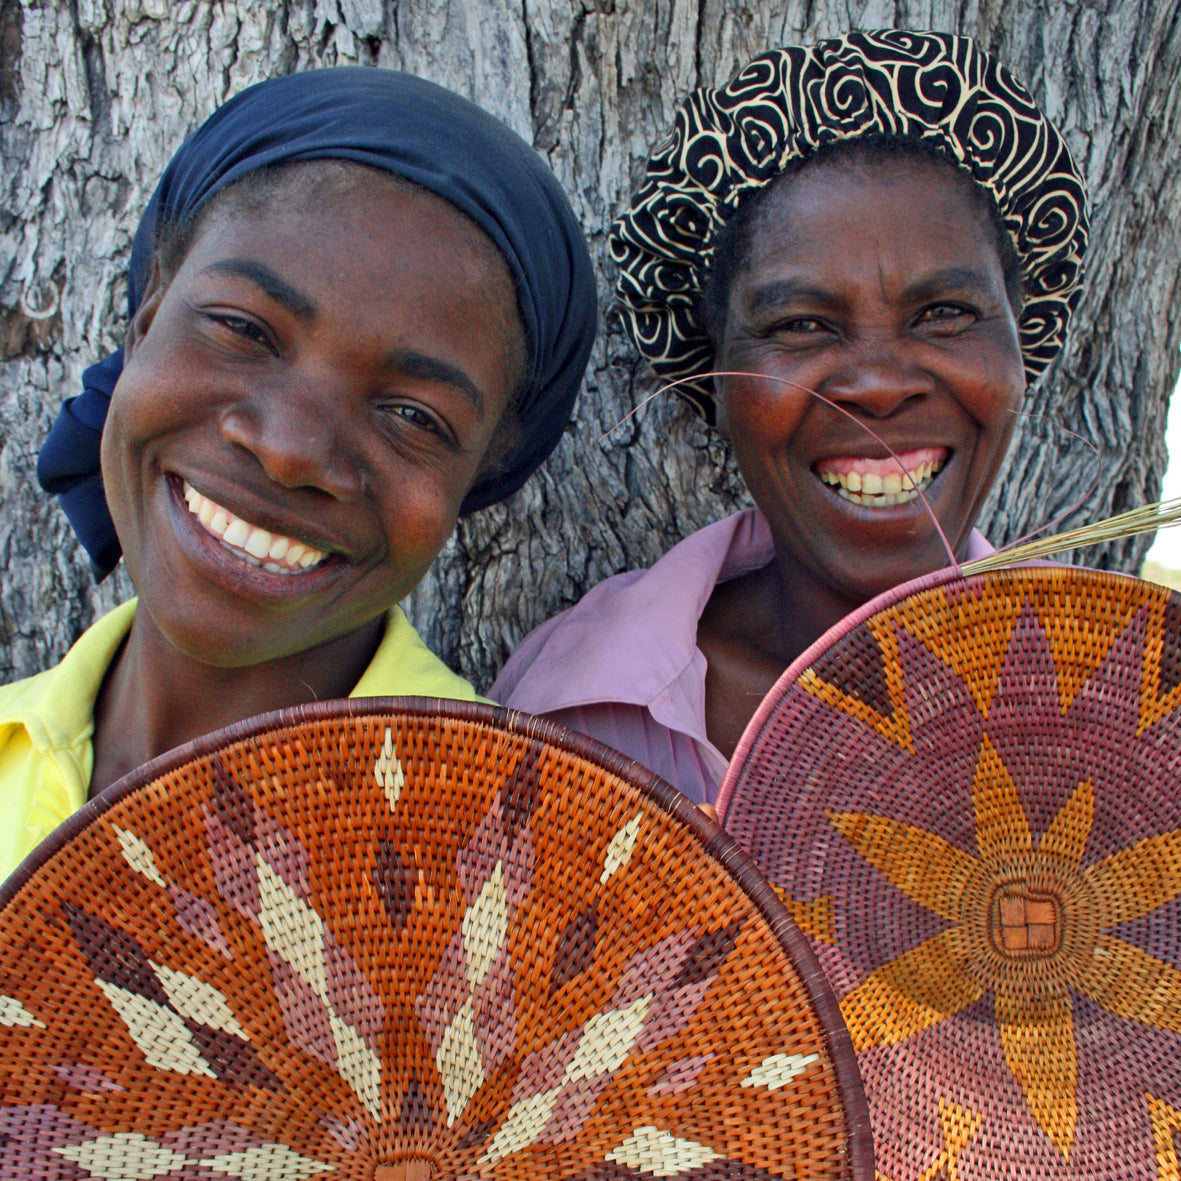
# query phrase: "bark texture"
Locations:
[[95, 94]]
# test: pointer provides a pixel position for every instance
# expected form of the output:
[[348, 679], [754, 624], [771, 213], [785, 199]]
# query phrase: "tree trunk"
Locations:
[[95, 94]]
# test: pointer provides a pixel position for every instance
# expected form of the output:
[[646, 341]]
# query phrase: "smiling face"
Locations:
[[879, 285], [303, 406]]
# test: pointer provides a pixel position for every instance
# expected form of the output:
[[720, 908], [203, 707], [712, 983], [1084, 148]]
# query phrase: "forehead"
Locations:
[[349, 234], [339, 196], [908, 213]]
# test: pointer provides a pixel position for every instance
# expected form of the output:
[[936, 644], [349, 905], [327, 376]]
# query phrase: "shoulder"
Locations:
[[57, 706], [632, 635], [403, 666], [46, 724]]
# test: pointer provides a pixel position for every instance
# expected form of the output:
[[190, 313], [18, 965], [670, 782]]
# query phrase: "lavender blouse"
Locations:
[[622, 665]]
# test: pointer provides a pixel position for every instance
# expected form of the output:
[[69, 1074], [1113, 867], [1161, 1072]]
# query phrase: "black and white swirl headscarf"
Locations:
[[786, 104]]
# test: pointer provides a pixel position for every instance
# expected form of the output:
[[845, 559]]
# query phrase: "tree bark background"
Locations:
[[95, 95]]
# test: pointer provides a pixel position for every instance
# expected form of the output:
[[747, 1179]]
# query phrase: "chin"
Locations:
[[859, 584]]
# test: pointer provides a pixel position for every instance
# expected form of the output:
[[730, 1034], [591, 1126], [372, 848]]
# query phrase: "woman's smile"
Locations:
[[882, 483], [257, 546]]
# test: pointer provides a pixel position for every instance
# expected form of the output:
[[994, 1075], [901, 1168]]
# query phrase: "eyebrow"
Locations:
[[784, 291], [780, 291], [955, 278], [295, 301], [412, 364]]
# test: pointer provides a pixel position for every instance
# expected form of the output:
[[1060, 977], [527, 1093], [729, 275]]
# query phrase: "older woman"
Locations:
[[888, 220], [359, 307]]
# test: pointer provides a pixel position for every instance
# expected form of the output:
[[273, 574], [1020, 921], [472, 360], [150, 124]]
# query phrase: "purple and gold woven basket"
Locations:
[[384, 941], [969, 795]]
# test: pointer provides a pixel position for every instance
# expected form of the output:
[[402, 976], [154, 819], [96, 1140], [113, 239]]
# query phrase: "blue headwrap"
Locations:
[[423, 133]]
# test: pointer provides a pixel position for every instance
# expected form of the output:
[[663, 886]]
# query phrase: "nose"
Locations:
[[876, 377], [299, 437]]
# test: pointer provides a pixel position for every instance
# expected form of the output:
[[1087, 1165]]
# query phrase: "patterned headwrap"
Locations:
[[419, 131], [786, 104]]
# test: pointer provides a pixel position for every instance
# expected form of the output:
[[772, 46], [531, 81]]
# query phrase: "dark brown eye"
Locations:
[[942, 313], [244, 328], [417, 417]]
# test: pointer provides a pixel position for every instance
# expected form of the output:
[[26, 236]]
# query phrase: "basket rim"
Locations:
[[714, 840], [887, 599]]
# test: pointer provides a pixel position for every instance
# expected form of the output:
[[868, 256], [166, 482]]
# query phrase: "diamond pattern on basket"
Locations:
[[329, 1009], [468, 1010], [457, 954], [196, 916], [42, 1138], [13, 1013], [619, 851], [387, 771], [661, 1154], [779, 1070], [657, 997], [179, 1022]]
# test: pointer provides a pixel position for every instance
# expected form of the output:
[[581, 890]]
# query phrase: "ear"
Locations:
[[149, 305]]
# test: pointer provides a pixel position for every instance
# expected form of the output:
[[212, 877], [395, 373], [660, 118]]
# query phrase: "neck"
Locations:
[[156, 698], [802, 609]]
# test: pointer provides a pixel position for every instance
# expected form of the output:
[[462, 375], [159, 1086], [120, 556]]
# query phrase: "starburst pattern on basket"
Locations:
[[1004, 937], [549, 989], [44, 1141], [657, 997], [330, 1010], [1030, 925], [1012, 905], [468, 1010]]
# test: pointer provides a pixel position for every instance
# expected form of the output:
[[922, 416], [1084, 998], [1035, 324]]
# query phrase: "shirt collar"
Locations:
[[56, 706], [633, 638]]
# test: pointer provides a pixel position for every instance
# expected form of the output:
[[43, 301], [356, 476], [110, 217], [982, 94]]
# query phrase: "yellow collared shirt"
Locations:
[[47, 722]]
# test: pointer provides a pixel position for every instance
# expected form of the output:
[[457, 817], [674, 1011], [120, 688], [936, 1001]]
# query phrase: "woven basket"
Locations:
[[381, 942], [969, 794]]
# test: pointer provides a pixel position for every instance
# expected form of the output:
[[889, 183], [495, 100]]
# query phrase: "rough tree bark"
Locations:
[[94, 95]]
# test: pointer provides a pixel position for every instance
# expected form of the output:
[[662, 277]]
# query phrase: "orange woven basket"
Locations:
[[969, 793], [387, 941]]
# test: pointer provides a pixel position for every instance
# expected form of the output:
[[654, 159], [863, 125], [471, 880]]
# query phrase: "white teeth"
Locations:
[[258, 544], [876, 491], [237, 531], [250, 541]]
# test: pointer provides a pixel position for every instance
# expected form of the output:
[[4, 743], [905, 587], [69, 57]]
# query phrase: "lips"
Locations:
[[273, 552], [882, 483]]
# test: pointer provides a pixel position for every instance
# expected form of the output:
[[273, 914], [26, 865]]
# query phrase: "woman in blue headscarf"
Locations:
[[359, 307]]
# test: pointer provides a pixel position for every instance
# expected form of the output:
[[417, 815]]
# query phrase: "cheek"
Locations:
[[764, 414], [995, 407], [113, 456]]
